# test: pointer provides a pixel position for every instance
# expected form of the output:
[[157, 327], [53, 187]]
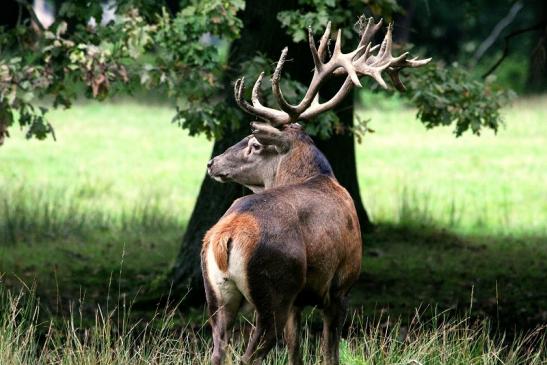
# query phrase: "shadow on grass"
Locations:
[[407, 267]]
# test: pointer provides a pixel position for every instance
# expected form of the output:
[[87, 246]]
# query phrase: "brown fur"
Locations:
[[298, 164], [241, 228]]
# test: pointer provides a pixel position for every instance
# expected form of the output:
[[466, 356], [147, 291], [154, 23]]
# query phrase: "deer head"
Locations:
[[278, 151]]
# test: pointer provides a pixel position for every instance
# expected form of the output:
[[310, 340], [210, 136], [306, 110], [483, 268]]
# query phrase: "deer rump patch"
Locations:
[[240, 229]]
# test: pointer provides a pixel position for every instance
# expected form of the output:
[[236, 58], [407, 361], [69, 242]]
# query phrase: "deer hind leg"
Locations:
[[222, 320], [275, 275], [269, 327], [273, 301], [292, 336], [333, 320], [223, 303]]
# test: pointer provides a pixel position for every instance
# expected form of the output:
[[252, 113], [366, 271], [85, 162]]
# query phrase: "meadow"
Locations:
[[90, 220]]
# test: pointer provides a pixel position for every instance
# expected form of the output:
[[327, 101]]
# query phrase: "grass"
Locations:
[[111, 338], [461, 228], [119, 181], [492, 184]]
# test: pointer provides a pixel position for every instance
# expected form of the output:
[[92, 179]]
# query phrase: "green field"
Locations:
[[461, 222], [112, 158]]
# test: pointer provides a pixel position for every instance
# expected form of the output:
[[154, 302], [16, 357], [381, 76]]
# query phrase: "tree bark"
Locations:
[[537, 71], [261, 33], [403, 21], [12, 13]]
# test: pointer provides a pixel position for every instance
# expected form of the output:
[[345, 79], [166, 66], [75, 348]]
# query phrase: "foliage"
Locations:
[[191, 66], [54, 64], [297, 22], [19, 83], [446, 96], [168, 53], [184, 57], [317, 13]]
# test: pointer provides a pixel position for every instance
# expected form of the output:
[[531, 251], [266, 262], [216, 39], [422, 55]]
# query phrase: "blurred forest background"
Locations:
[[109, 112]]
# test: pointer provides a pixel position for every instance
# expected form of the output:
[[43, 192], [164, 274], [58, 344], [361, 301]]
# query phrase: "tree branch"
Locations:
[[506, 40], [502, 24], [19, 14], [33, 15]]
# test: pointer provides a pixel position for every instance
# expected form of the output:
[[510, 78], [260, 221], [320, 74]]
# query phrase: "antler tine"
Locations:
[[412, 63], [370, 31], [319, 74], [323, 43], [291, 110], [374, 48], [396, 80], [393, 70], [256, 94], [317, 61], [317, 108], [321, 71], [365, 41], [337, 44], [384, 53], [373, 66], [272, 116], [344, 60], [239, 86], [361, 52]]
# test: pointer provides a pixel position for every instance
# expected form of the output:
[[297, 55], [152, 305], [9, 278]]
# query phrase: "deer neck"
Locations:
[[303, 162]]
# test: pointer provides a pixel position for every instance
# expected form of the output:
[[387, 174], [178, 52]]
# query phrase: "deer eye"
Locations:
[[255, 146]]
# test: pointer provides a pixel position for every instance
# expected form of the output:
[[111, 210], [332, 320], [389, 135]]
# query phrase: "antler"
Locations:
[[354, 64]]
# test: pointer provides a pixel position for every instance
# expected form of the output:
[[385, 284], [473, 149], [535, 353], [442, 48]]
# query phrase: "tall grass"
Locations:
[[34, 215], [114, 339], [111, 339], [18, 328], [443, 342]]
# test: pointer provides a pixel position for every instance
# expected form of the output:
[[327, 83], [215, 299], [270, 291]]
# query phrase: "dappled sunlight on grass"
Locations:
[[460, 223], [112, 156], [481, 185]]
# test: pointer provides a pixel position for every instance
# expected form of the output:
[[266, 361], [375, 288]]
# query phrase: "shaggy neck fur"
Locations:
[[302, 162]]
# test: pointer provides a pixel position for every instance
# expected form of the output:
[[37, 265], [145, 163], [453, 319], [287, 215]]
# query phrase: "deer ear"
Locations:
[[270, 136]]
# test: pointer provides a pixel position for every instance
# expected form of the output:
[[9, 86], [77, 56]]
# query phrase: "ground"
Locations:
[[461, 222]]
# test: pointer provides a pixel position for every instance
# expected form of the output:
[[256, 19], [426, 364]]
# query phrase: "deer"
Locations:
[[296, 241]]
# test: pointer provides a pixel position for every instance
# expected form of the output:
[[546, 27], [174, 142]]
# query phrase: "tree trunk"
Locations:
[[261, 33], [403, 21], [12, 13], [537, 71]]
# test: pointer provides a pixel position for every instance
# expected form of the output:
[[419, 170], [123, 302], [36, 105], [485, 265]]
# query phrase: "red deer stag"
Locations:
[[297, 240]]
